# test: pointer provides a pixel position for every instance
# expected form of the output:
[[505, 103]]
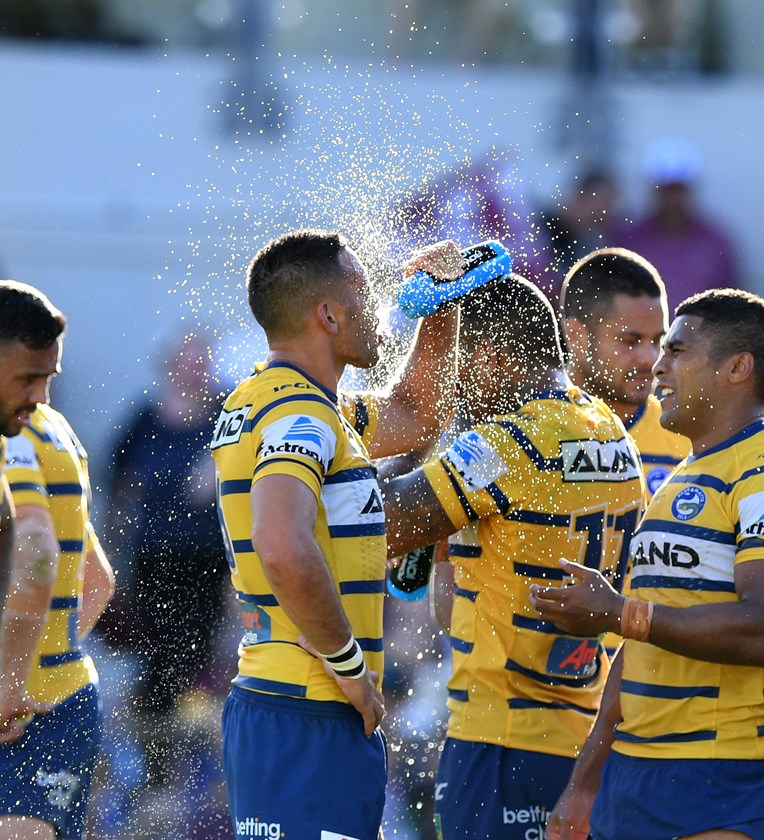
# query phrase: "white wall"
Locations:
[[127, 199]]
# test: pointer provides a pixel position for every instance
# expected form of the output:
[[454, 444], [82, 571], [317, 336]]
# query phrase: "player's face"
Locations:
[[360, 340], [25, 376], [687, 380], [622, 350]]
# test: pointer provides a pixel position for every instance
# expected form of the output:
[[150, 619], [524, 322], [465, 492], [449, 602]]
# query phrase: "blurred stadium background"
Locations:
[[149, 148]]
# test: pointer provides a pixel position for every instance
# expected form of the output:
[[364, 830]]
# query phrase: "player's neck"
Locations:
[[722, 426], [317, 366]]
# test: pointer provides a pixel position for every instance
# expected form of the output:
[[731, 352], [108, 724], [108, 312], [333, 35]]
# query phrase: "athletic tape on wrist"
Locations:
[[636, 618], [348, 661]]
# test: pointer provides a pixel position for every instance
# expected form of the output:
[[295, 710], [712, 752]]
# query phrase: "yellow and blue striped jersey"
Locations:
[[46, 465], [557, 478], [704, 521], [660, 450], [280, 421]]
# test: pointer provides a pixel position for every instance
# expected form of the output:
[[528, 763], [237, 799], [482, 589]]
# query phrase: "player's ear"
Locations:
[[328, 316], [741, 367], [576, 335]]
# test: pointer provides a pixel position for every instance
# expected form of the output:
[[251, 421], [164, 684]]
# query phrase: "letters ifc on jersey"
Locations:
[[560, 477], [707, 519], [280, 421], [61, 668]]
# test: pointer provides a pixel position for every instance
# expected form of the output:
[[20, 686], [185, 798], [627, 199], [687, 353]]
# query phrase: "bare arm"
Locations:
[[35, 562], [283, 518], [570, 818], [422, 395], [442, 588], [7, 537], [414, 514], [731, 633], [98, 587]]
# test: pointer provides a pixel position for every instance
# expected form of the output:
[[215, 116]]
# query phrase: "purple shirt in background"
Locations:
[[689, 261]]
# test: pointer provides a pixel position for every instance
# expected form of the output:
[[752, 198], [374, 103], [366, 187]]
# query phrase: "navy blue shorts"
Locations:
[[47, 773], [659, 799], [486, 791], [301, 769]]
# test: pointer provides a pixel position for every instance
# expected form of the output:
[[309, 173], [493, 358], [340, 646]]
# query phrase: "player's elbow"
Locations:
[[36, 558], [277, 551]]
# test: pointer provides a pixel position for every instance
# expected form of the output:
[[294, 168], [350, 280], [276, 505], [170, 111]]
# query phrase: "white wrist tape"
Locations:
[[348, 661]]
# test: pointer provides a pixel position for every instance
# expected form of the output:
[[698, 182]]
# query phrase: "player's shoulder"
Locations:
[[271, 395]]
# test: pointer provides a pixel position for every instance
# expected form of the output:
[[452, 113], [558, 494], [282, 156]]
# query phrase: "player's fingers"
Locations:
[[575, 569], [11, 730], [38, 708], [305, 644]]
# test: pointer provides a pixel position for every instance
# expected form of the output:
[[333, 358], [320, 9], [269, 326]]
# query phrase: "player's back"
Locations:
[[557, 478]]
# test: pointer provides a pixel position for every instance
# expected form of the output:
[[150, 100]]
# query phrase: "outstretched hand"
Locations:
[[587, 607], [442, 260], [362, 693]]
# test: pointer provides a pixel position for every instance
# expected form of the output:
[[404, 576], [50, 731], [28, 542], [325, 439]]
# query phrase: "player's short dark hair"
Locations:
[[26, 315], [516, 316], [589, 286], [287, 275], [733, 320]]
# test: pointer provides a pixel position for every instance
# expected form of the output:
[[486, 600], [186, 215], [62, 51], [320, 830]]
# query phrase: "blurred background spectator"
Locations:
[[691, 250], [586, 219], [166, 543]]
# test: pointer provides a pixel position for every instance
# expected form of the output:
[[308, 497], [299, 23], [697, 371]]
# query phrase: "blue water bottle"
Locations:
[[484, 263], [409, 581]]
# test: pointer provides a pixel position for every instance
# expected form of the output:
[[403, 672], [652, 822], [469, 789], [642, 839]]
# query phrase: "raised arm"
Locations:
[[414, 514], [420, 399]]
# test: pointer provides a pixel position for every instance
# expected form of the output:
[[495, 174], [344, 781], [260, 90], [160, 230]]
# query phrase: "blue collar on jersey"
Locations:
[[637, 416], [332, 396], [750, 430]]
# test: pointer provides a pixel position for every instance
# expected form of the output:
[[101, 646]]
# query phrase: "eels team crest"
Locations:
[[688, 503]]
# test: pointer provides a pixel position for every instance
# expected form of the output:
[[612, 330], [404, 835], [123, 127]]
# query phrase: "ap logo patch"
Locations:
[[688, 503]]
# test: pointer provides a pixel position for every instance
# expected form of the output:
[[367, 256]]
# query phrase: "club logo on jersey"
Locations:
[[255, 827], [230, 426], [595, 460], [472, 457], [688, 503], [655, 478], [675, 555]]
